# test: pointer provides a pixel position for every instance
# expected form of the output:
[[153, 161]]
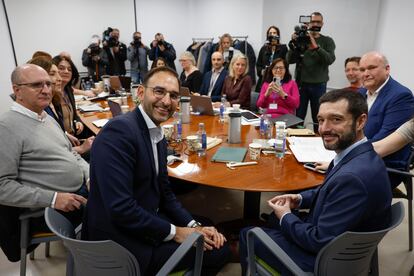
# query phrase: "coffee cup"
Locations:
[[168, 131], [254, 151], [192, 142]]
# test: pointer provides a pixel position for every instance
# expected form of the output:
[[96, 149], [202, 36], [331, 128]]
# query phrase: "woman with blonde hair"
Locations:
[[238, 84], [191, 77]]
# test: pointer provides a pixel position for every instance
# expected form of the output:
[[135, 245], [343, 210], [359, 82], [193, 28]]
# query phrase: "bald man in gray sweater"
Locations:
[[38, 167]]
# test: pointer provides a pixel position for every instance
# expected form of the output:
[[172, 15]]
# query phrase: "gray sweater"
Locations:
[[36, 160]]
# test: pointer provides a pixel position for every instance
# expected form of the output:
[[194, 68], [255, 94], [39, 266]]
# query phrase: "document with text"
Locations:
[[310, 149]]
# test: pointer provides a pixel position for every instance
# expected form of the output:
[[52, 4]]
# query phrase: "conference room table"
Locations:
[[269, 175]]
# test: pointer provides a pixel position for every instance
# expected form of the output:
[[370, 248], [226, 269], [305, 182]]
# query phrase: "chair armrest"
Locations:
[[395, 171], [196, 239], [32, 214], [274, 248]]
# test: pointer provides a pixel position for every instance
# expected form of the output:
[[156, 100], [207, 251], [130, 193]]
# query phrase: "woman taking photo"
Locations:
[[238, 84], [279, 93], [270, 51], [191, 77]]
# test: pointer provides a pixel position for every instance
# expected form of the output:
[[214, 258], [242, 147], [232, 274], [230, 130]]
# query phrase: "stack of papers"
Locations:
[[213, 141], [90, 108], [310, 149], [100, 123]]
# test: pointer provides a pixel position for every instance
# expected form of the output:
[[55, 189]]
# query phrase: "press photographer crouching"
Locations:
[[313, 53], [116, 52], [137, 54], [95, 59]]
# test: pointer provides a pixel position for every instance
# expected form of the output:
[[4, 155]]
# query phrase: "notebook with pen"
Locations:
[[227, 154]]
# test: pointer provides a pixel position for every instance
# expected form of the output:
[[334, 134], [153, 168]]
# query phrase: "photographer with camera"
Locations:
[[137, 54], [116, 52], [271, 50], [161, 48], [95, 59], [313, 53]]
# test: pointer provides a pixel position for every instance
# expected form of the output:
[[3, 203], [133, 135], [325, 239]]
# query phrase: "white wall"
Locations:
[[351, 23], [7, 63], [61, 25], [395, 38]]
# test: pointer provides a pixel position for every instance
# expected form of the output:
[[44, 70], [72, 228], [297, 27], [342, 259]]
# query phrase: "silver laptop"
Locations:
[[202, 105], [290, 119]]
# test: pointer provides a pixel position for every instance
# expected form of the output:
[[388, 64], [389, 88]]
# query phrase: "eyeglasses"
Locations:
[[278, 68], [36, 85], [160, 92]]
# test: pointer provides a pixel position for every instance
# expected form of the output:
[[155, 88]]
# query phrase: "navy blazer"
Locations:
[[355, 196], [216, 93], [393, 107], [126, 196]]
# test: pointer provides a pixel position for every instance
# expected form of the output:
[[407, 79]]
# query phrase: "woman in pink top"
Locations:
[[279, 93]]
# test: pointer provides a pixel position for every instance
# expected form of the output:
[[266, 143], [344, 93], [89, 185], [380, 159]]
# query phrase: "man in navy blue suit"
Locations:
[[213, 80], [355, 195], [390, 104], [131, 201]]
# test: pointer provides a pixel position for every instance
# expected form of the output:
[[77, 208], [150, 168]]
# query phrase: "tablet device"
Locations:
[[249, 116], [115, 108]]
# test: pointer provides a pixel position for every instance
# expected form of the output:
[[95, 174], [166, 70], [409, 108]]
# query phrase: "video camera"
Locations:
[[111, 41], [302, 40]]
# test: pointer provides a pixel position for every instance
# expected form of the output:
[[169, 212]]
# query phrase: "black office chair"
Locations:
[[108, 257], [407, 180], [351, 253], [254, 96]]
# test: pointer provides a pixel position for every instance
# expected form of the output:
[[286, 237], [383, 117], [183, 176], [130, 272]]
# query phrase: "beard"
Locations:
[[343, 142]]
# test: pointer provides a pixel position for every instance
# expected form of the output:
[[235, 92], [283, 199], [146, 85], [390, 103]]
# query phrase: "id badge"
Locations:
[[273, 106]]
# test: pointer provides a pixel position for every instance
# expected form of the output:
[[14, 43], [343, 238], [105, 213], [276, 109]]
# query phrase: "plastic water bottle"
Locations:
[[83, 85], [202, 140], [262, 125], [280, 139], [268, 126], [178, 126], [222, 108]]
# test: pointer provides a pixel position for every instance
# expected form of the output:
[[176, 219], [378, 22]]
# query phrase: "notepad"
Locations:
[[213, 141], [227, 154]]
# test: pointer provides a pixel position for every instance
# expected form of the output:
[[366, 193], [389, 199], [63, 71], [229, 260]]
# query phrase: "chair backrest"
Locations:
[[254, 96], [351, 252], [115, 83], [92, 257]]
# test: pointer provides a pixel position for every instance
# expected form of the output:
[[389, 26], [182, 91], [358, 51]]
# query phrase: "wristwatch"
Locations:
[[195, 224]]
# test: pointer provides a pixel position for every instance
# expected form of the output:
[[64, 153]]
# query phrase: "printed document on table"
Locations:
[[310, 149]]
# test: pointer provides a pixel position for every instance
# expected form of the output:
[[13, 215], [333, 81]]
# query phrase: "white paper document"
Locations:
[[310, 149], [90, 108], [100, 123]]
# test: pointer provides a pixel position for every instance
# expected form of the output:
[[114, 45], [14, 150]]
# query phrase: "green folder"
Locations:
[[227, 154]]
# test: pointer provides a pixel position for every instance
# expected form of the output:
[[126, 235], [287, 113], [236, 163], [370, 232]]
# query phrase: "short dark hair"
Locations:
[[157, 70], [357, 104], [269, 75], [352, 59], [316, 13]]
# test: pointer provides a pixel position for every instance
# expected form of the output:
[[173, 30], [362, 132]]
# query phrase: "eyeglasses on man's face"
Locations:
[[160, 92], [36, 85]]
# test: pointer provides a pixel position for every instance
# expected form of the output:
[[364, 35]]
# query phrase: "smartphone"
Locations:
[[276, 80], [312, 167]]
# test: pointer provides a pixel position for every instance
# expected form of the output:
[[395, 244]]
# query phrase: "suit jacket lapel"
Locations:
[[146, 138]]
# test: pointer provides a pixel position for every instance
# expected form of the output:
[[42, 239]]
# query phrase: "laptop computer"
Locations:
[[115, 108], [202, 104], [290, 120], [125, 82]]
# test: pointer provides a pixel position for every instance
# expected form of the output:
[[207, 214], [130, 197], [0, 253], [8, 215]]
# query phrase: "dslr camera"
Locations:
[[272, 38], [111, 41], [136, 42], [94, 49]]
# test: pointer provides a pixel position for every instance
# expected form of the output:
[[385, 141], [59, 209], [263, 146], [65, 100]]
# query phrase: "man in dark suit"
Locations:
[[390, 104], [355, 195], [213, 80], [131, 200]]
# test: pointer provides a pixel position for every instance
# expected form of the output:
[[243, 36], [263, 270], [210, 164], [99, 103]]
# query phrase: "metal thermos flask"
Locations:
[[185, 110], [234, 127]]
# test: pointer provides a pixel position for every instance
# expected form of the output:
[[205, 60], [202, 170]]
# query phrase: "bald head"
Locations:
[[217, 60], [32, 87], [375, 70]]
